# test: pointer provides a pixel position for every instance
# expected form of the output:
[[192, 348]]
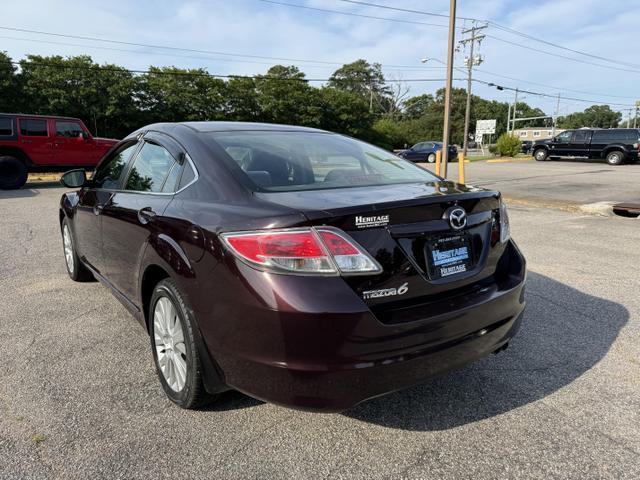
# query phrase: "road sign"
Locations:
[[485, 127]]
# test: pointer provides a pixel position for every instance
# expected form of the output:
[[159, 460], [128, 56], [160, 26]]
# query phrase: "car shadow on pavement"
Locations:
[[28, 190], [564, 333]]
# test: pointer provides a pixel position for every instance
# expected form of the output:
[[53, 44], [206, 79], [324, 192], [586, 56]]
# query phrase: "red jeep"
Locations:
[[37, 143]]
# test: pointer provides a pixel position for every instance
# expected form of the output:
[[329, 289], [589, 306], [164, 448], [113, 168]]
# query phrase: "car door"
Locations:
[[70, 144], [130, 219], [413, 153], [561, 145], [579, 145], [92, 199], [36, 140]]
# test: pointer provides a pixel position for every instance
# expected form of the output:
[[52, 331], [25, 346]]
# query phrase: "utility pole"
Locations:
[[555, 117], [515, 108], [446, 128], [508, 118], [470, 62]]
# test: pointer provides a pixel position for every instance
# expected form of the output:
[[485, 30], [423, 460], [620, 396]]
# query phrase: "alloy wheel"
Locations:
[[68, 247], [169, 344]]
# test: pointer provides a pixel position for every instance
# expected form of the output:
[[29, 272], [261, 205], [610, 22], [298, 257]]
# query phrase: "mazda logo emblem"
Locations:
[[457, 217]]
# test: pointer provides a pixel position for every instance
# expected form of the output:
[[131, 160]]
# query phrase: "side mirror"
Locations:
[[74, 178]]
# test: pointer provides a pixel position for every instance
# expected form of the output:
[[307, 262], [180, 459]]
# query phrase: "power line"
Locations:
[[352, 14], [99, 68], [496, 25], [586, 62]]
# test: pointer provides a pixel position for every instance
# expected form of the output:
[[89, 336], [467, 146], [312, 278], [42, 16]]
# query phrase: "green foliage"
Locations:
[[595, 116], [356, 101], [508, 145]]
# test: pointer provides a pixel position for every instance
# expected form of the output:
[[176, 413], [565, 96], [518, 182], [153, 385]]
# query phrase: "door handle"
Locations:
[[27, 141], [145, 215]]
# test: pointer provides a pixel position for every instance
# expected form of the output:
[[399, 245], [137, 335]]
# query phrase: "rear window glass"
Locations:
[[287, 161], [616, 135], [33, 128], [150, 169], [6, 127]]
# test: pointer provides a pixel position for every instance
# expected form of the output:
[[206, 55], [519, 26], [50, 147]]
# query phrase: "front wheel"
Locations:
[[431, 158], [615, 158], [173, 341], [76, 270], [540, 155]]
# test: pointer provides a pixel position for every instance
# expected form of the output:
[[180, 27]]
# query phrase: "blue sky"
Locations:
[[252, 27]]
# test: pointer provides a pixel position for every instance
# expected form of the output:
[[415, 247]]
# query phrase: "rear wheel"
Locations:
[[540, 154], [76, 270], [615, 158], [173, 331], [431, 158], [13, 173]]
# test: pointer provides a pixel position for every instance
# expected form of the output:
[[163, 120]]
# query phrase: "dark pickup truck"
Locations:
[[615, 145]]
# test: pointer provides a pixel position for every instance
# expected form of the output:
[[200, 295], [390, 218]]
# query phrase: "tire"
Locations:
[[75, 268], [615, 157], [540, 154], [172, 330], [13, 173], [431, 158]]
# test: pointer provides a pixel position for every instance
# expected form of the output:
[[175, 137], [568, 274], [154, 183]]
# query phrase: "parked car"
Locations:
[[526, 146], [36, 143], [298, 266], [426, 152], [615, 145]]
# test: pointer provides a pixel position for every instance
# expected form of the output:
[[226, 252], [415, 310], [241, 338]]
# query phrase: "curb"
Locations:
[[604, 209]]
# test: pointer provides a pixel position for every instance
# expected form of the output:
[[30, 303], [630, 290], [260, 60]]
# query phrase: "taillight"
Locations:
[[505, 234], [305, 251]]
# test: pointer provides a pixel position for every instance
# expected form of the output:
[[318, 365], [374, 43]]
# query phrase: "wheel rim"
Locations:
[[539, 155], [614, 158], [169, 343], [68, 247], [431, 158]]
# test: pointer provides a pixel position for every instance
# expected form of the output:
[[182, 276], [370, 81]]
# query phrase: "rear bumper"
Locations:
[[324, 350]]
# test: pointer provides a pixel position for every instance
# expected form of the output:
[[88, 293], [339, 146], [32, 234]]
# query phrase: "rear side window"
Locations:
[[150, 170], [68, 129], [33, 128], [188, 176], [608, 136], [108, 173], [6, 127]]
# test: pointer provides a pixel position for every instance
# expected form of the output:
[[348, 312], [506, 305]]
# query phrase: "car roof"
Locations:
[[30, 115], [210, 126]]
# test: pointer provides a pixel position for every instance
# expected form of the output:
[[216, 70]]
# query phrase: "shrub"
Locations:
[[493, 149], [508, 145]]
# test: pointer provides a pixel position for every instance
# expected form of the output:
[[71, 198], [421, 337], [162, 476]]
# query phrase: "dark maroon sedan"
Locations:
[[295, 265]]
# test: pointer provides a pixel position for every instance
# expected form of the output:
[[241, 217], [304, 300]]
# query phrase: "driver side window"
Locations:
[[564, 136], [108, 173]]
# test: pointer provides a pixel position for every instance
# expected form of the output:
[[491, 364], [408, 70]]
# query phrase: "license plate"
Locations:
[[448, 256]]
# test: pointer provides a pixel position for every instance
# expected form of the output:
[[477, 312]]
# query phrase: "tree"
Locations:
[[363, 79], [284, 96], [415, 107], [8, 84], [345, 112], [595, 116]]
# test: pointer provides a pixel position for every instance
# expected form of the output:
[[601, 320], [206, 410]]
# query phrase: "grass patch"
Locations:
[[38, 438]]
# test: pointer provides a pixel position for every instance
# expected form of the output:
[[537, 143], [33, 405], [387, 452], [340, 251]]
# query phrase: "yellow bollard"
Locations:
[[438, 157], [461, 167]]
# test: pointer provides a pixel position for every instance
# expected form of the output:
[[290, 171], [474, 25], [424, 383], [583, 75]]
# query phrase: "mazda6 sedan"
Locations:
[[299, 266]]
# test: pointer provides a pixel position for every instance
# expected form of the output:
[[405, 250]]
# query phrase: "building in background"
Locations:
[[535, 133]]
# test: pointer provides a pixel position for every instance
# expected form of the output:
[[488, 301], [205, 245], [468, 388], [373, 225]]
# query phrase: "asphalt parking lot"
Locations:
[[573, 182], [79, 397]]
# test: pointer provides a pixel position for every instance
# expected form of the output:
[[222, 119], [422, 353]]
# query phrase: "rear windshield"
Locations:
[[288, 161]]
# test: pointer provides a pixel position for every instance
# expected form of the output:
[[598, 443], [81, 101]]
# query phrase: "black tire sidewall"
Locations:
[[186, 397], [21, 177]]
